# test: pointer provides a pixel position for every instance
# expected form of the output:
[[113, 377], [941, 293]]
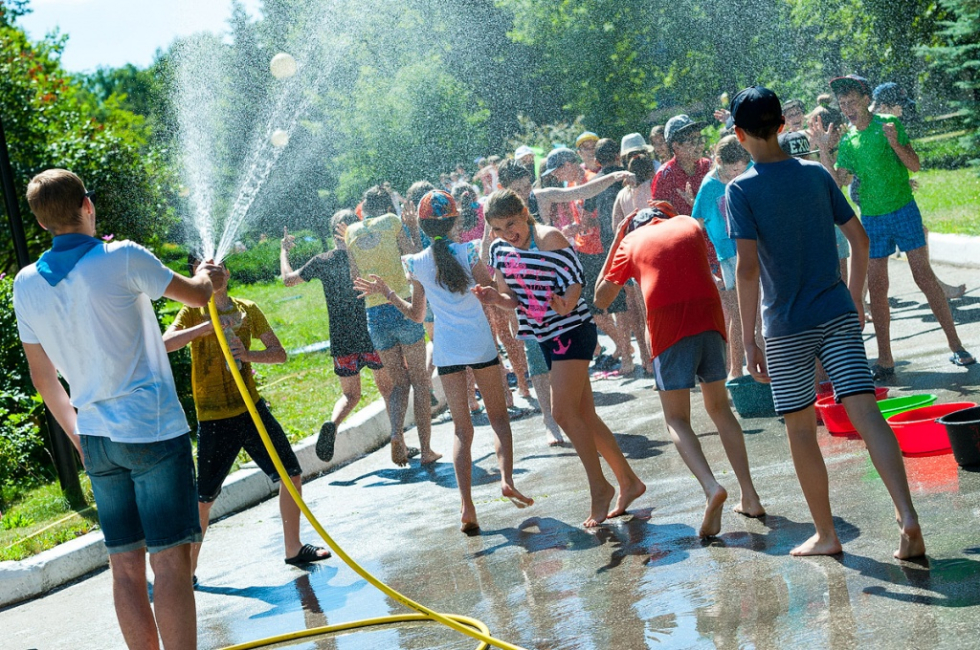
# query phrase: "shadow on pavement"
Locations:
[[314, 593], [438, 473]]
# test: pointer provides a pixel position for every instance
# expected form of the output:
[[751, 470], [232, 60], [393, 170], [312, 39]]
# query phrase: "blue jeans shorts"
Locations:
[[536, 365], [697, 358], [728, 272], [388, 327], [901, 228], [146, 493]]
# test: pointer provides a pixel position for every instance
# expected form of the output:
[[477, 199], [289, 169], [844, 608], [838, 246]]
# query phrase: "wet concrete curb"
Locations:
[[955, 250], [362, 433]]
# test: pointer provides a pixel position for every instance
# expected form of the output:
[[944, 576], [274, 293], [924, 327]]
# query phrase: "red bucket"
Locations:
[[835, 416], [919, 434]]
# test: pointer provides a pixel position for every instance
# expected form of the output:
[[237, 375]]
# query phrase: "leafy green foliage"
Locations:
[[956, 54], [23, 459], [50, 120], [259, 262]]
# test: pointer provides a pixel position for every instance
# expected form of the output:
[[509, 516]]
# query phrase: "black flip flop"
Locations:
[[307, 555], [325, 443]]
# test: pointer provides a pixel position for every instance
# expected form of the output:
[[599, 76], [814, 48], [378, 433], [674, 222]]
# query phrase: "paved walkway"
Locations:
[[537, 579]]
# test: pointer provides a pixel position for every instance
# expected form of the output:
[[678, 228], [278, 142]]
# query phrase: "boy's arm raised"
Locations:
[[290, 278], [44, 376]]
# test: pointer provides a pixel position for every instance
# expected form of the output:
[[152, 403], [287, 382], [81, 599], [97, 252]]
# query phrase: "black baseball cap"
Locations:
[[843, 85], [756, 107], [796, 144]]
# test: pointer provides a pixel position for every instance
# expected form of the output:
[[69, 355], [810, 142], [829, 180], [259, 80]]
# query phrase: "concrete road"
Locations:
[[539, 580]]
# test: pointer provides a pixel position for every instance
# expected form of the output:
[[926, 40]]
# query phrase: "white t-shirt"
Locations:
[[98, 328], [461, 334]]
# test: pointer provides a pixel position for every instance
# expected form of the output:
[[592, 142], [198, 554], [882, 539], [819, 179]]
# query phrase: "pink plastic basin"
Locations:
[[835, 416], [919, 434]]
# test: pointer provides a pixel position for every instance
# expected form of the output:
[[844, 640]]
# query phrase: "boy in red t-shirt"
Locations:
[[669, 258]]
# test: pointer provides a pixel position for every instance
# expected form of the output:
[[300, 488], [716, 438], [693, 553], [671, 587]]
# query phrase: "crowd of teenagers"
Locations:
[[703, 267]]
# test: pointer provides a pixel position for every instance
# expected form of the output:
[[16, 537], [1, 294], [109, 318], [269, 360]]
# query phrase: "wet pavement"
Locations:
[[539, 580]]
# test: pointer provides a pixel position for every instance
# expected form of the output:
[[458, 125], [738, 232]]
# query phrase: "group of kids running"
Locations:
[[541, 264]]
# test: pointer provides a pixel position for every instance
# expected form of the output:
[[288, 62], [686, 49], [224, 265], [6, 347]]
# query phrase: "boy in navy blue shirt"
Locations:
[[782, 214]]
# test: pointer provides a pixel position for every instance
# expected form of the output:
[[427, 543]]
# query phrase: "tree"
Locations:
[[957, 56], [51, 120]]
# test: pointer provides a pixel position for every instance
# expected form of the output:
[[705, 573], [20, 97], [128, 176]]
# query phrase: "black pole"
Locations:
[[62, 450]]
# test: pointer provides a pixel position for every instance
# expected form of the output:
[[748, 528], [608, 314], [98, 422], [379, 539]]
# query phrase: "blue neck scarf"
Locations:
[[55, 264]]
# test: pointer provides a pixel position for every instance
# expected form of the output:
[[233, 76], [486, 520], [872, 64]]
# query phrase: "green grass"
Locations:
[[950, 200], [41, 519], [302, 391]]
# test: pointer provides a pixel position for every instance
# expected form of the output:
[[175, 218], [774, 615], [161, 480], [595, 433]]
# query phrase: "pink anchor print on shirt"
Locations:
[[536, 309]]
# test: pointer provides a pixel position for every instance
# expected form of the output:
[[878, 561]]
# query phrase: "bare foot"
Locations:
[[525, 392], [399, 454], [750, 506], [911, 543], [516, 497], [554, 437], [467, 519], [952, 292], [711, 524], [600, 505], [429, 456], [818, 545], [627, 495], [628, 367]]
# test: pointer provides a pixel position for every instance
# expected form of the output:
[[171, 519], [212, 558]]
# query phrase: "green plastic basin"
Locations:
[[895, 405]]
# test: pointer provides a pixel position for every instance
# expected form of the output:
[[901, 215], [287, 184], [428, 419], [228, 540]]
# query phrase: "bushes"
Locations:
[[946, 151], [24, 462], [260, 261]]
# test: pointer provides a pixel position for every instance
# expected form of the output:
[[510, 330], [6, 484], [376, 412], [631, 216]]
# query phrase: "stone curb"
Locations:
[[362, 433], [955, 250]]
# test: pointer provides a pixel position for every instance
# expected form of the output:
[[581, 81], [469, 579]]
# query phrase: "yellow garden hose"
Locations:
[[462, 624]]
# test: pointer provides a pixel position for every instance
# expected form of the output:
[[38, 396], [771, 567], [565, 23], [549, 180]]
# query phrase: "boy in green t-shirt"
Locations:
[[878, 151], [225, 426]]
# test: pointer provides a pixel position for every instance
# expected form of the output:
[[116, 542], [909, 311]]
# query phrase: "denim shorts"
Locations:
[[901, 228], [145, 492], [388, 327], [536, 365], [727, 266], [697, 358]]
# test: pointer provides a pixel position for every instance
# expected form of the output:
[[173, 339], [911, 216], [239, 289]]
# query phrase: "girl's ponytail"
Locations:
[[437, 216]]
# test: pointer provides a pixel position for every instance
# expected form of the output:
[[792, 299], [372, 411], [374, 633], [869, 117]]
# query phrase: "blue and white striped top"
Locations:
[[533, 276]]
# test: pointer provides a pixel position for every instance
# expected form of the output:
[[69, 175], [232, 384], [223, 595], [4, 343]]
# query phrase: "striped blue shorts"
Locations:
[[901, 228], [839, 346]]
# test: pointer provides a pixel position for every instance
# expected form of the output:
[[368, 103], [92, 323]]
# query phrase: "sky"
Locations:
[[116, 32]]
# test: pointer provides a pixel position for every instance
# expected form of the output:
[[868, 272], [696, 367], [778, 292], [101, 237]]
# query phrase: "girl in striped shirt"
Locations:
[[539, 275]]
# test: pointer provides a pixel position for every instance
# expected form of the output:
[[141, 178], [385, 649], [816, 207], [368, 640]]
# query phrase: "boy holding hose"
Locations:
[[225, 426]]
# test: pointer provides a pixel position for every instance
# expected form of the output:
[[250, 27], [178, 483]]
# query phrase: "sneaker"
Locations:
[[325, 443]]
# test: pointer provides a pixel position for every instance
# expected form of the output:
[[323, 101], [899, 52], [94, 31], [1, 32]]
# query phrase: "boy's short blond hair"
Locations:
[[55, 196]]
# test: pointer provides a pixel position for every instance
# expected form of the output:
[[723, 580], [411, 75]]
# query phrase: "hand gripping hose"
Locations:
[[462, 624]]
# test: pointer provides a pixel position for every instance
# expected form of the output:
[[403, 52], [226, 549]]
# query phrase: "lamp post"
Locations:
[[62, 450]]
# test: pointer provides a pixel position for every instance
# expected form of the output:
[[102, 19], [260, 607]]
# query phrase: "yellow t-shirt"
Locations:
[[216, 395], [373, 243]]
